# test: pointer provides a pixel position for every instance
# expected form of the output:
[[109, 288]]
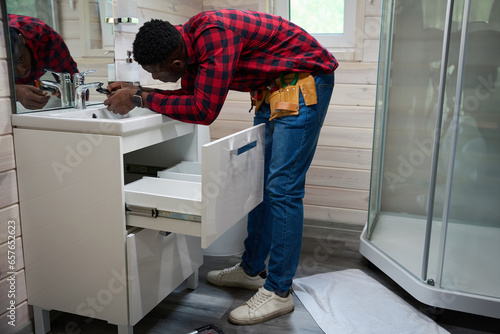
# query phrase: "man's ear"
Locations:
[[178, 63]]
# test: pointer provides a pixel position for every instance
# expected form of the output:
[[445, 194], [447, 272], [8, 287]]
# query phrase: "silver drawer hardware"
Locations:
[[244, 148], [140, 211], [117, 20], [136, 210]]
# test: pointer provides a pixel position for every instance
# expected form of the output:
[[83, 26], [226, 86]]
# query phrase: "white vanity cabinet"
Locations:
[[103, 235]]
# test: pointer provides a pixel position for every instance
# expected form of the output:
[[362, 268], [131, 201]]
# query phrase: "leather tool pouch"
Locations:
[[285, 101]]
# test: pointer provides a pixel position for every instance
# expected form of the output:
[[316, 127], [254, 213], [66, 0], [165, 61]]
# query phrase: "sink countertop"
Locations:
[[95, 119]]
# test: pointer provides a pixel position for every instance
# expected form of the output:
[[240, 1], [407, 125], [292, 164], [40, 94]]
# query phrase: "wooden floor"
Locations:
[[324, 250]]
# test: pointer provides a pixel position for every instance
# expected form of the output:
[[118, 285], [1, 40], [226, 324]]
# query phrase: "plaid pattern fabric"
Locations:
[[238, 50], [48, 50]]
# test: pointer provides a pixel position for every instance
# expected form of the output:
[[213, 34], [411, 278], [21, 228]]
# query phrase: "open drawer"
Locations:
[[232, 182]]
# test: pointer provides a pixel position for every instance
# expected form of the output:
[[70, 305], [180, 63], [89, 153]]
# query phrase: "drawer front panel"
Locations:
[[157, 264], [232, 180]]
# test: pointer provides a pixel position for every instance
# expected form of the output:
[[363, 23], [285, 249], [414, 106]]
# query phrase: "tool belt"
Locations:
[[283, 94]]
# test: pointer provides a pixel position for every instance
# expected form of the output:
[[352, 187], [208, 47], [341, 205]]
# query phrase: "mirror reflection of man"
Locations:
[[36, 47]]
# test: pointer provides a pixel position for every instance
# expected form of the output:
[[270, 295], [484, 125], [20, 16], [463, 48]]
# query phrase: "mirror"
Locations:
[[89, 40]]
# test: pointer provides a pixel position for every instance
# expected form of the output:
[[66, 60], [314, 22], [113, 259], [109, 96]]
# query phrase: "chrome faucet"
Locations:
[[64, 85], [81, 93], [81, 88], [73, 92]]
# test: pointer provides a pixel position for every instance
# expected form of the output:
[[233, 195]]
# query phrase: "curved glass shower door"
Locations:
[[434, 209], [406, 119], [472, 145]]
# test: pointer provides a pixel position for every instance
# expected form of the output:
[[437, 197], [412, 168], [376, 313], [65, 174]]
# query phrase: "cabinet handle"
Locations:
[[244, 148]]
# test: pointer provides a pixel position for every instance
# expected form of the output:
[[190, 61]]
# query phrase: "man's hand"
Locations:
[[120, 85], [120, 100], [31, 97]]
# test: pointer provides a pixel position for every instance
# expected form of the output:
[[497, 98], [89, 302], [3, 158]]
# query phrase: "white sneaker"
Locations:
[[263, 306], [236, 277]]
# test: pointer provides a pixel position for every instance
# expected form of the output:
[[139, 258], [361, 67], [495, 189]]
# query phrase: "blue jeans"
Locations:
[[275, 226]]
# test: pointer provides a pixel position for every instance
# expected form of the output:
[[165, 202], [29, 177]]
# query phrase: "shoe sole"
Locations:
[[261, 320], [234, 285]]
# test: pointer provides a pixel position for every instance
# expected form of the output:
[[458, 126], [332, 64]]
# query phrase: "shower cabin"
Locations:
[[434, 209]]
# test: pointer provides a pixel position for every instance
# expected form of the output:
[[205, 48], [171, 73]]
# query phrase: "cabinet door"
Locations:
[[232, 183], [157, 264]]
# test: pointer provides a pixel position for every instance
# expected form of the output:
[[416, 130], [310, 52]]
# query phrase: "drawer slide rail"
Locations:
[[137, 210]]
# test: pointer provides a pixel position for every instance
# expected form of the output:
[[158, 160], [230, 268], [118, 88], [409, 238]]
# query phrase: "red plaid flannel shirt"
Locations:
[[238, 50]]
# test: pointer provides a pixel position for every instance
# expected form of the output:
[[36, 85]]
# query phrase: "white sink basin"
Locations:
[[101, 113], [54, 102], [95, 119]]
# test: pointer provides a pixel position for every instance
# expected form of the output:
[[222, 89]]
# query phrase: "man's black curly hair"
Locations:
[[155, 42]]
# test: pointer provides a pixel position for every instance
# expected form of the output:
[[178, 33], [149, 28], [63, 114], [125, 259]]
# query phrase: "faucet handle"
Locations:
[[79, 78], [59, 76], [84, 73]]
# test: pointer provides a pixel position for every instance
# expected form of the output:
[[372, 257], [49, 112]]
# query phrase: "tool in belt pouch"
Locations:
[[285, 101]]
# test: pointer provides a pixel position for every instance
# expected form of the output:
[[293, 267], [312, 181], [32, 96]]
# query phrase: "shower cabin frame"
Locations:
[[425, 289]]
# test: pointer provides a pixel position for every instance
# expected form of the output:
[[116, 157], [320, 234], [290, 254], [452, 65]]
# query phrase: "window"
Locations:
[[332, 22]]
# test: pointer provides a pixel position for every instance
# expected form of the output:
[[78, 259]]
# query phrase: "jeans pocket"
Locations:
[[324, 92]]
